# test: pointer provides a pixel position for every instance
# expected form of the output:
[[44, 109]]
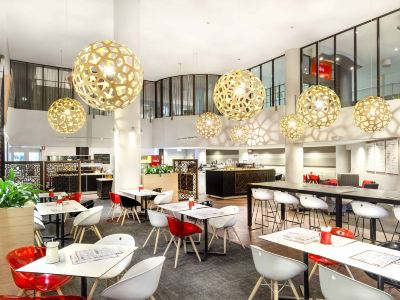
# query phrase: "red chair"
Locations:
[[6, 297], [40, 283], [74, 196], [327, 262], [365, 182], [332, 181], [313, 178], [305, 178], [182, 230], [116, 202]]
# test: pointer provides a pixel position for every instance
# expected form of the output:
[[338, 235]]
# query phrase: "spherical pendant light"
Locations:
[[292, 126], [107, 75], [208, 125], [66, 115], [239, 95], [319, 106], [240, 134], [372, 114]]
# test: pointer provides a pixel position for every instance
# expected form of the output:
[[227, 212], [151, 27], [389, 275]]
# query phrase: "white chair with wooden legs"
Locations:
[[288, 200], [160, 223], [316, 206], [396, 211], [38, 226], [87, 220], [336, 286], [139, 282], [275, 268], [227, 222], [164, 198], [120, 239], [264, 201]]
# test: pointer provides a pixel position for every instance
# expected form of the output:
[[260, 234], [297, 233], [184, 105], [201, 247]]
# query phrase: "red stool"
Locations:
[[328, 262], [365, 182], [313, 178], [116, 202], [45, 283], [74, 196], [182, 230], [6, 297]]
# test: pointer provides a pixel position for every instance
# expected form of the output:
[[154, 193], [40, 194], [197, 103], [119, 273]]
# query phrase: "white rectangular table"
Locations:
[[338, 252], [50, 208], [56, 194], [94, 269], [143, 194], [180, 206]]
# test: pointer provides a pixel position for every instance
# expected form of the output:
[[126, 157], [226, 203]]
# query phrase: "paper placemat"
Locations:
[[84, 256], [375, 258]]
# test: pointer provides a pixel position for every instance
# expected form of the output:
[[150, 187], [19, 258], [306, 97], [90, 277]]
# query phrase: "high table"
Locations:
[[142, 193], [50, 208], [341, 250], [336, 192], [93, 269]]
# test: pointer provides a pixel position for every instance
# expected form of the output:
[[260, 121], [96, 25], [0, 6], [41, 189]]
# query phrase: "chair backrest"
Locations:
[[343, 232], [338, 286], [230, 220], [139, 282], [165, 198], [92, 217], [38, 224], [120, 239], [157, 219], [372, 186], [37, 215], [115, 198], [176, 227], [262, 194], [367, 181], [75, 196], [275, 267]]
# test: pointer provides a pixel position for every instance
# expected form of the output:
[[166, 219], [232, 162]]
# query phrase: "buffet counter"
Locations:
[[232, 183]]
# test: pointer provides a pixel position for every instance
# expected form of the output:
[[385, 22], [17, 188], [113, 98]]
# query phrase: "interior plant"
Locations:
[[16, 194], [162, 169]]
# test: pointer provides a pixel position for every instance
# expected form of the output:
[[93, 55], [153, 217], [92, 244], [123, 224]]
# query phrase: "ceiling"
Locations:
[[182, 36]]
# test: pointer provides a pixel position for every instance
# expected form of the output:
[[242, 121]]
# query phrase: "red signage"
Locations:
[[324, 69], [155, 160]]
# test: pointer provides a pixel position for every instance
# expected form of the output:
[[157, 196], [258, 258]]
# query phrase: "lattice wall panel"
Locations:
[[63, 176], [187, 170], [26, 172]]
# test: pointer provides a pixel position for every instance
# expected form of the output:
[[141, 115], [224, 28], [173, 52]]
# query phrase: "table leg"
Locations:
[[283, 212], [57, 226], [339, 207], [205, 239], [381, 284], [145, 207], [249, 206], [84, 287], [62, 231], [372, 229], [305, 277]]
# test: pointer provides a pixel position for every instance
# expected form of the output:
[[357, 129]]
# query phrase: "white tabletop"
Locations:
[[50, 208], [180, 206], [339, 253], [205, 213], [104, 179], [94, 269], [56, 194], [142, 193]]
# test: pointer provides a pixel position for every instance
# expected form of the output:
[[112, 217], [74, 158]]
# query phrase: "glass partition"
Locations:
[[187, 95], [266, 75], [212, 80], [326, 63], [279, 80], [344, 67], [176, 96], [308, 66], [200, 94]]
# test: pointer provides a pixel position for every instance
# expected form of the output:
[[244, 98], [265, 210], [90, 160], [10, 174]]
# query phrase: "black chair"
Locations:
[[372, 186], [128, 206]]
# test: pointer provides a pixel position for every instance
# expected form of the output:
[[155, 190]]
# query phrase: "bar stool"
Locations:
[[282, 198], [373, 212], [264, 200], [313, 204]]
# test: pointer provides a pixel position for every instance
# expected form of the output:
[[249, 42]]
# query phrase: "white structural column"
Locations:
[[127, 132], [293, 150], [343, 159]]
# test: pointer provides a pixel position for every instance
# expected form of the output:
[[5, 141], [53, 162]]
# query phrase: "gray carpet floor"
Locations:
[[219, 277]]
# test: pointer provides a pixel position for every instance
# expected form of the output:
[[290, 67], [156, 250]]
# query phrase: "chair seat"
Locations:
[[285, 198], [396, 211], [369, 210], [48, 282], [182, 229], [311, 202], [322, 260]]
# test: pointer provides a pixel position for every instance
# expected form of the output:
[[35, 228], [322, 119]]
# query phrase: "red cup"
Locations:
[[191, 204], [51, 193], [140, 187], [326, 235], [59, 201]]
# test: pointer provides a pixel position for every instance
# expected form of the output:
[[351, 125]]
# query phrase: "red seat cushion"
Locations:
[[8, 297], [367, 182], [182, 229]]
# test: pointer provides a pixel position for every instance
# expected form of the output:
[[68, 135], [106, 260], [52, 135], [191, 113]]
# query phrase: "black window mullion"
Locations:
[[378, 50], [316, 63], [143, 99], [301, 70], [181, 79], [207, 92], [273, 83], [162, 97], [156, 98], [334, 64], [194, 94], [171, 107], [355, 64]]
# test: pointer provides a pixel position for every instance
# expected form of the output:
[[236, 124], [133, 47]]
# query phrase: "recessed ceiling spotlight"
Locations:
[[208, 22], [396, 49], [337, 58], [291, 27], [321, 58], [356, 31], [238, 59], [351, 68]]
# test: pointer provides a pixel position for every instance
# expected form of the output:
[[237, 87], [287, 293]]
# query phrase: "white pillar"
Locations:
[[127, 132], [293, 151], [343, 159]]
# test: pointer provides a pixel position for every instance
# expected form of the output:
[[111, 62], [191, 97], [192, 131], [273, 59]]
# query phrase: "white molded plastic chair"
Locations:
[[273, 267], [263, 199], [288, 200], [370, 211], [37, 215], [87, 220], [316, 205], [226, 222], [396, 211], [159, 221], [38, 226], [335, 286], [139, 282], [164, 198], [119, 239]]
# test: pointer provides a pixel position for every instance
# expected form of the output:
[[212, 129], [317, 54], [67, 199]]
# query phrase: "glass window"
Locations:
[[389, 51], [266, 70], [279, 80], [325, 63], [256, 71], [159, 101], [18, 156], [200, 94], [366, 60], [65, 86], [309, 66], [50, 86], [176, 96], [187, 95], [149, 99], [165, 97], [34, 156], [345, 67], [212, 80]]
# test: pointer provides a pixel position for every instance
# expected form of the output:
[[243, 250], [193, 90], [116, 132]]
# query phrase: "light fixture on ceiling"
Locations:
[[319, 106], [239, 95], [66, 115], [107, 75], [292, 126], [239, 134], [396, 49], [208, 125], [372, 114]]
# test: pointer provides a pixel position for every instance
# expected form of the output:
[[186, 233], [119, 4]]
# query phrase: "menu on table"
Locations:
[[83, 256], [375, 258], [302, 237]]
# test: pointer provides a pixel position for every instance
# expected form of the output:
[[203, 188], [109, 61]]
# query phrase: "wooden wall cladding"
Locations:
[[166, 182]]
